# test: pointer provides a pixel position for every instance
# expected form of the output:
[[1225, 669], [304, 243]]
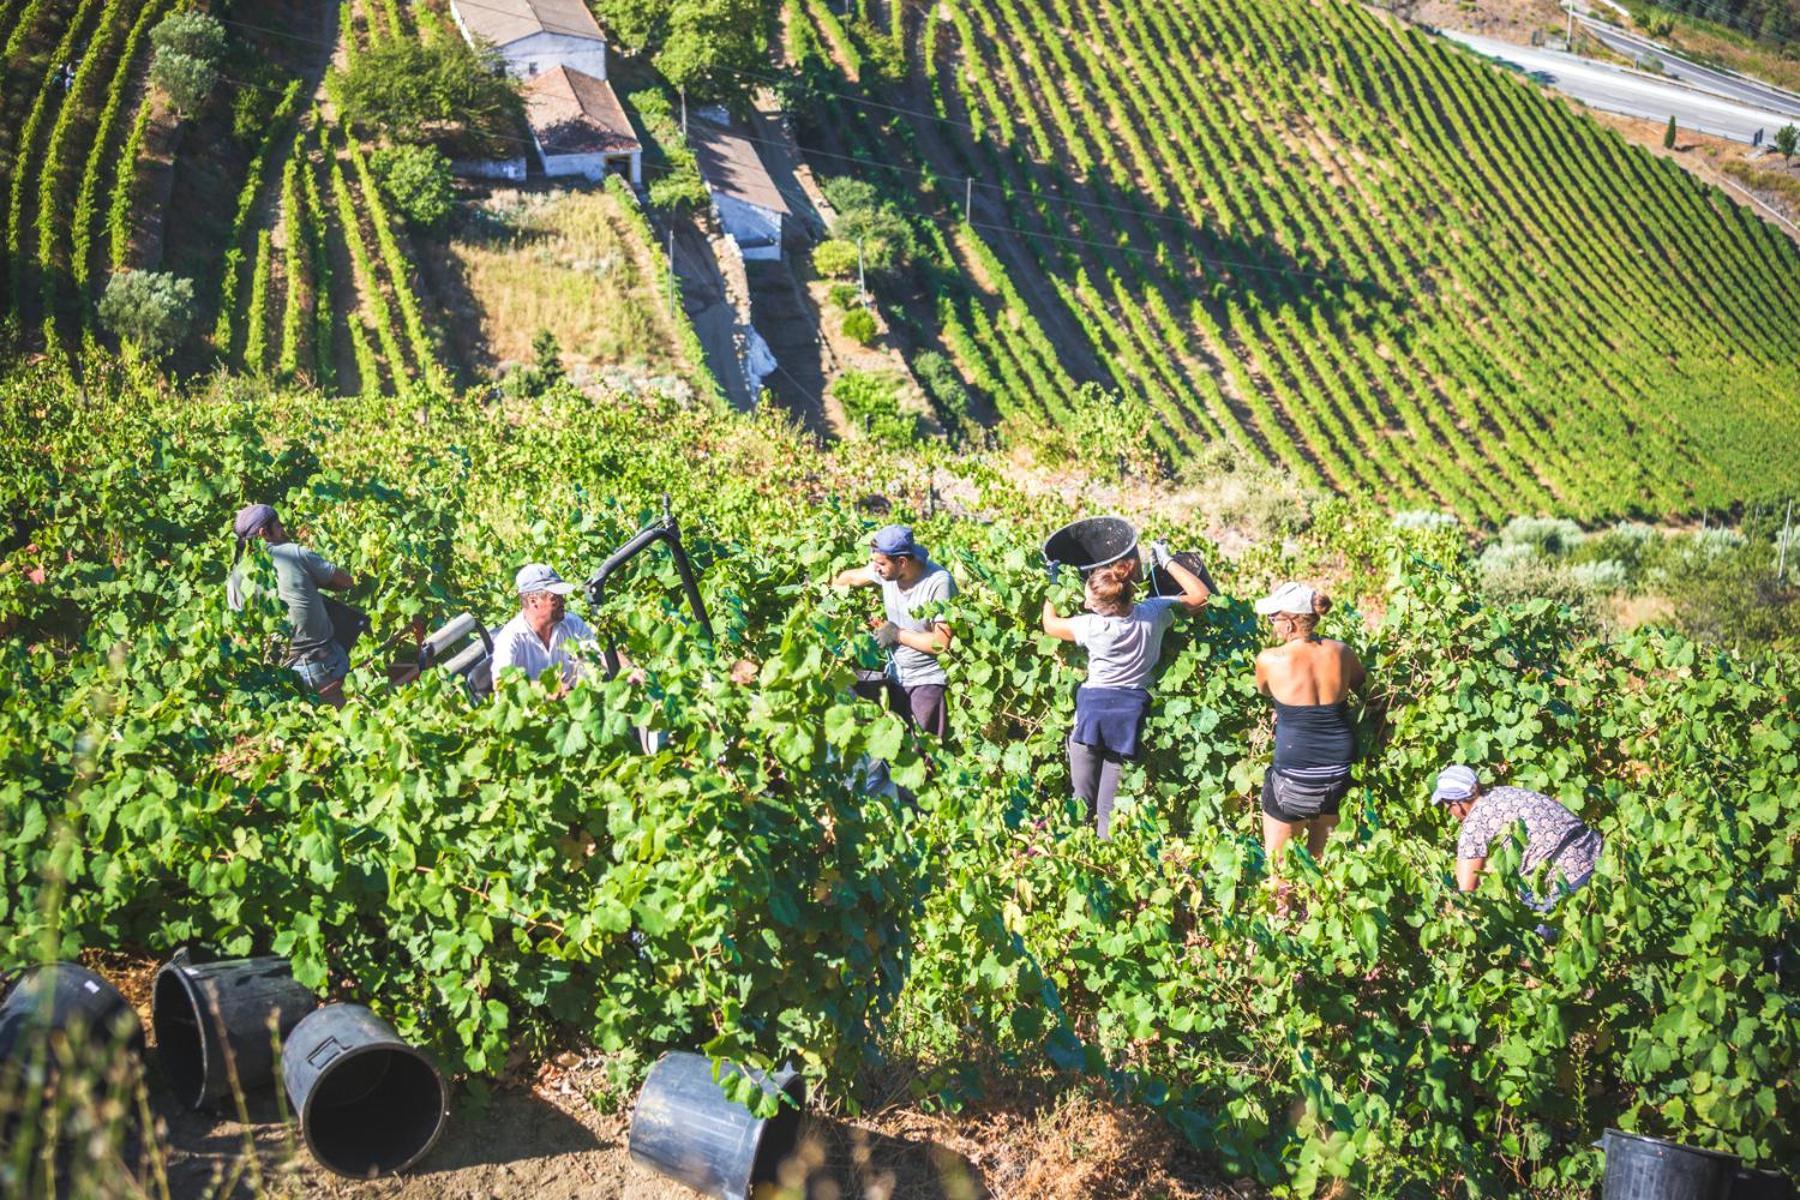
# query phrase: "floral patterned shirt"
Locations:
[[1552, 832]]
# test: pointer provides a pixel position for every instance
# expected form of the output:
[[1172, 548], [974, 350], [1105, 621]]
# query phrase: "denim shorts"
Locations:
[[321, 673]]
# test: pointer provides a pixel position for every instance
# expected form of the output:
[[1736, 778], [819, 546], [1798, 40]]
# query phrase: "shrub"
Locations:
[[187, 81], [872, 402], [417, 180], [446, 93], [1602, 576], [1550, 536], [937, 375], [844, 296], [149, 309], [681, 191], [859, 326], [194, 34], [834, 258], [1423, 518]]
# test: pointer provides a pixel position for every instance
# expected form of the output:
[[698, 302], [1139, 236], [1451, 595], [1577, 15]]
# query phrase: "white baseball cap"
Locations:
[[536, 577], [1455, 783], [1286, 598]]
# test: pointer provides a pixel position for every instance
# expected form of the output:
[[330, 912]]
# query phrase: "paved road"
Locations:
[[1632, 93], [1737, 88]]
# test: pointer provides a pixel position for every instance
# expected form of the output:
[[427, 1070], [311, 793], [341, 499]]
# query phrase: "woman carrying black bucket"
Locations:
[[1124, 641], [1309, 680]]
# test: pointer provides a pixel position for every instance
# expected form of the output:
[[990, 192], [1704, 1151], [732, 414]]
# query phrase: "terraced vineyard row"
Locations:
[[1343, 247]]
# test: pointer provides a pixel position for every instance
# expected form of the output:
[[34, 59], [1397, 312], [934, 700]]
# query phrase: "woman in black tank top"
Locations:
[[1315, 740]]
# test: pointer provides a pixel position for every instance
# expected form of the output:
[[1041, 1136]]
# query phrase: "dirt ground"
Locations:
[[544, 1139]]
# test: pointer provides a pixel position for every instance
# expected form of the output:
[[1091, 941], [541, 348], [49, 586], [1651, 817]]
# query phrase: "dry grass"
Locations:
[[563, 261]]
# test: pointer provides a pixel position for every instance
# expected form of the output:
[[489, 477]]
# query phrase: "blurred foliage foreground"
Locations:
[[507, 877]]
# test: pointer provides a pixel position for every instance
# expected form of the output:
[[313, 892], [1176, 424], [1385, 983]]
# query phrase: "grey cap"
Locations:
[[1455, 783], [536, 577]]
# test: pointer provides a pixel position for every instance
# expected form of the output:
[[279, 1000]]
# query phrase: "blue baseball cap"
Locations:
[[536, 577], [895, 540], [250, 520]]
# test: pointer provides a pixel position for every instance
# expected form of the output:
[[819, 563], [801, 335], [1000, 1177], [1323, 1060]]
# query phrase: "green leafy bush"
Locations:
[[187, 81], [417, 180], [196, 34], [150, 309], [938, 376], [859, 326], [445, 93], [871, 401], [835, 258]]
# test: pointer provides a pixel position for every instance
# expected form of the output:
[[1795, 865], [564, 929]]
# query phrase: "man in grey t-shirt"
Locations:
[[910, 582], [314, 652]]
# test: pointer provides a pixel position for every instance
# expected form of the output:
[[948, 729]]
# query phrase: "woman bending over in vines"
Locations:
[[1309, 680], [1124, 641]]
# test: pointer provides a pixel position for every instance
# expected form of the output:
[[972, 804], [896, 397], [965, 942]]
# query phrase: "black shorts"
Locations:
[[1333, 799]]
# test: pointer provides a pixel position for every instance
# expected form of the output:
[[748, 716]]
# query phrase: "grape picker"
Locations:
[[1308, 680], [1123, 639], [914, 680], [544, 634], [314, 652], [1555, 838]]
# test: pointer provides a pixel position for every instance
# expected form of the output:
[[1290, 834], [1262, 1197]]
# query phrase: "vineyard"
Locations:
[[308, 276], [1321, 237], [513, 876]]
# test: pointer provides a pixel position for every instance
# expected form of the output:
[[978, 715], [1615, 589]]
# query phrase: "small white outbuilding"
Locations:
[[750, 206], [579, 127], [534, 36]]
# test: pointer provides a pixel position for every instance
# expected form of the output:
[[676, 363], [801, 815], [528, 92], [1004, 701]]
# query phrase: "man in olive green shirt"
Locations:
[[315, 655]]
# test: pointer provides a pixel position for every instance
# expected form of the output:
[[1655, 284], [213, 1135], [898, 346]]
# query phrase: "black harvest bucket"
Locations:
[[1091, 542], [1647, 1168], [685, 1128], [368, 1103], [213, 1021], [70, 1000]]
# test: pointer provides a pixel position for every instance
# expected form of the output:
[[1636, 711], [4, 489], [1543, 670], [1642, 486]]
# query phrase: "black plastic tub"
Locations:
[[66, 999], [1647, 1168], [1091, 542], [368, 1103], [684, 1127], [218, 1021]]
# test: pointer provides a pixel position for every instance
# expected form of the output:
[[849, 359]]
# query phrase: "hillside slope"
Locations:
[[1324, 237]]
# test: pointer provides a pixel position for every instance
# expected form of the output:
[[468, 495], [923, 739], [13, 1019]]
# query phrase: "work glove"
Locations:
[[1159, 554], [887, 635], [1053, 570]]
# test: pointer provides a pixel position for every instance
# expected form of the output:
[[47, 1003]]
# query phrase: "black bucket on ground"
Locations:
[[213, 1023], [368, 1103], [1163, 584], [1091, 542], [685, 1127], [1647, 1168], [1750, 1184], [67, 999]]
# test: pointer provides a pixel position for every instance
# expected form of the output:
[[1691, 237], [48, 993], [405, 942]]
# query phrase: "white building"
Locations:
[[533, 36], [579, 127], [748, 203]]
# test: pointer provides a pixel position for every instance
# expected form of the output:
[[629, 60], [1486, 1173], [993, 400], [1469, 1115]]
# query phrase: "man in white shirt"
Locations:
[[544, 634]]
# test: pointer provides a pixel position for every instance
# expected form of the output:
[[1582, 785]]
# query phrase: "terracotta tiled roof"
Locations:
[[571, 112], [505, 21], [731, 167]]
